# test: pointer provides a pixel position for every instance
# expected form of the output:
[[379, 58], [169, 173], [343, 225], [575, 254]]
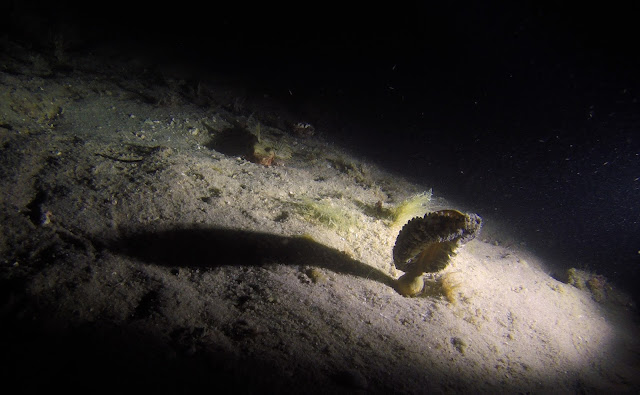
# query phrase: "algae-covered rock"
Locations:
[[601, 290]]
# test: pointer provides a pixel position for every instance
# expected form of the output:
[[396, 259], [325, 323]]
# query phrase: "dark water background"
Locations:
[[520, 111]]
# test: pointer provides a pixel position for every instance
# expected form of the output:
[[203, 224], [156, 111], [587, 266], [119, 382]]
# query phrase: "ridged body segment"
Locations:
[[425, 244]]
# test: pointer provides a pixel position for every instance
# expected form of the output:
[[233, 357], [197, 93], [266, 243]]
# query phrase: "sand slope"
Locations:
[[142, 248]]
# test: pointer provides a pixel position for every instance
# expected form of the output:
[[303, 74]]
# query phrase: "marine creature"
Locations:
[[303, 129], [425, 244]]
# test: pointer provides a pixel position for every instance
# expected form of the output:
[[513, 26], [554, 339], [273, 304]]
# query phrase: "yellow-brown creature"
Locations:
[[425, 244]]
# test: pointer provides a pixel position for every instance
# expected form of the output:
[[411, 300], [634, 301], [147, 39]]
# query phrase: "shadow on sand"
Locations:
[[213, 247]]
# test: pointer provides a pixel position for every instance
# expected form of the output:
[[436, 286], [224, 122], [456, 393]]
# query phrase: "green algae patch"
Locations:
[[326, 213], [415, 206]]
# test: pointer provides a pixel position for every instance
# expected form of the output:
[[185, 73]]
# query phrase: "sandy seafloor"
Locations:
[[142, 249]]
